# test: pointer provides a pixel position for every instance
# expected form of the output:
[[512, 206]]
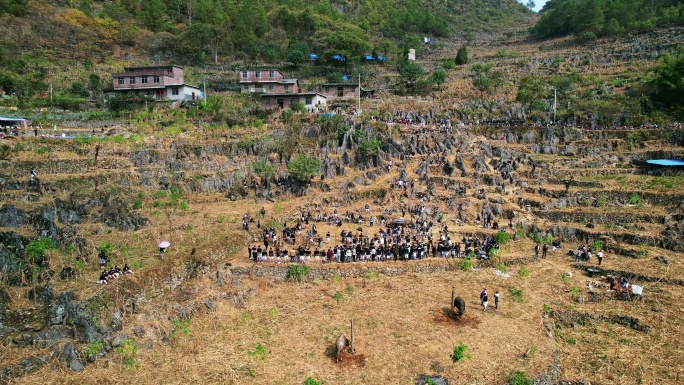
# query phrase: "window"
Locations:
[[257, 74], [245, 87], [120, 81], [287, 87], [143, 79], [293, 101], [271, 74], [327, 89], [340, 91], [271, 87], [309, 100], [174, 91], [244, 74], [155, 79], [131, 80], [169, 69], [267, 102]]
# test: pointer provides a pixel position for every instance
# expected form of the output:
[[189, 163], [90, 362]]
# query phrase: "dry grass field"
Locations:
[[192, 319]]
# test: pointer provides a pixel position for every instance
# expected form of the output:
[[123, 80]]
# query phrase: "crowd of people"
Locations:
[[113, 273], [395, 240]]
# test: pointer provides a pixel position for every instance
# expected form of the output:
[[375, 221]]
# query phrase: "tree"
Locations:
[[153, 14], [303, 167], [298, 53], [13, 7], [531, 92], [410, 71], [263, 168], [530, 4], [668, 83], [439, 77], [462, 56]]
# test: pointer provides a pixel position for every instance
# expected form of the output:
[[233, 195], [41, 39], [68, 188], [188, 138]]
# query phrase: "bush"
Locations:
[[636, 200], [519, 378], [93, 348], [516, 294], [502, 237], [501, 267], [338, 296], [298, 272], [35, 250], [467, 264], [312, 381], [460, 353], [523, 272]]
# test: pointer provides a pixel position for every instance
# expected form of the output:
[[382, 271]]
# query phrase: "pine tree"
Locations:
[[462, 56]]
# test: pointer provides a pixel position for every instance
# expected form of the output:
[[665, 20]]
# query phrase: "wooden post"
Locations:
[[351, 343], [453, 289]]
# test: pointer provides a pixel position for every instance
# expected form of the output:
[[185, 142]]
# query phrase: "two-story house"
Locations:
[[340, 90], [158, 82], [267, 81], [277, 92]]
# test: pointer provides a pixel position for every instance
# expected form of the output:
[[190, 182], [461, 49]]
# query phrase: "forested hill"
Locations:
[[196, 31], [589, 19]]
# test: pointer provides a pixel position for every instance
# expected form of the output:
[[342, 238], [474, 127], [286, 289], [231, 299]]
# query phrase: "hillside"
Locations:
[[489, 139], [201, 312]]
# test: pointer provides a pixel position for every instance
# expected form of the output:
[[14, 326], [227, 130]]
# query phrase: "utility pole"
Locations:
[[205, 92], [554, 104], [359, 92]]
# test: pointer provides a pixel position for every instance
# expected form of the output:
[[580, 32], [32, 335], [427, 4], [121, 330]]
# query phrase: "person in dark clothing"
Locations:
[[545, 250], [536, 251]]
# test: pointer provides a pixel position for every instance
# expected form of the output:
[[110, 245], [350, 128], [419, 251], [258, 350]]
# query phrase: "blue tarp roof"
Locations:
[[381, 58], [11, 119], [339, 57], [313, 56], [369, 57], [666, 162]]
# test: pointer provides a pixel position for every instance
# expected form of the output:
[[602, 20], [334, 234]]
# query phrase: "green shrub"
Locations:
[[597, 246], [338, 296], [43, 150], [574, 292], [181, 325], [298, 272], [516, 294], [106, 248], [127, 351], [311, 381], [176, 192], [502, 237], [546, 308], [137, 204], [523, 272], [519, 378], [502, 267], [467, 264], [93, 348], [460, 353], [184, 205], [350, 289], [636, 200], [35, 250]]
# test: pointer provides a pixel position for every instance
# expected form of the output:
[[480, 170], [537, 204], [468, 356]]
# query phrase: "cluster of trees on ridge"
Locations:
[[589, 19]]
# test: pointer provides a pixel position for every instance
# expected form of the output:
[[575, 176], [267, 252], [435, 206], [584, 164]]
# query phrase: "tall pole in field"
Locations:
[[205, 92], [359, 92], [554, 105]]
